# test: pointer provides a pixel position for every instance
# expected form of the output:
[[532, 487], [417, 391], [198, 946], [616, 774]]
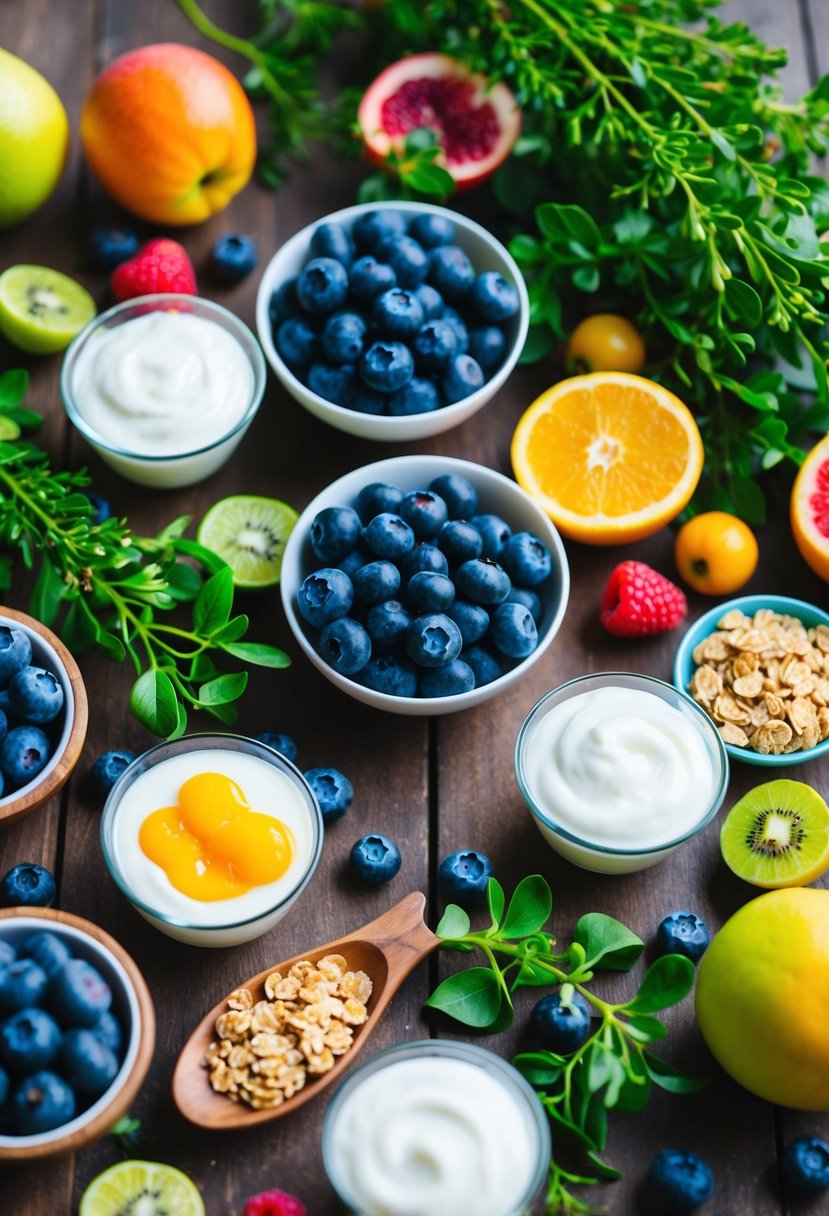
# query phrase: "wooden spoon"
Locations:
[[387, 949]]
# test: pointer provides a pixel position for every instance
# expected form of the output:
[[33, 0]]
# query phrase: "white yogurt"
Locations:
[[433, 1137], [620, 768], [267, 789]]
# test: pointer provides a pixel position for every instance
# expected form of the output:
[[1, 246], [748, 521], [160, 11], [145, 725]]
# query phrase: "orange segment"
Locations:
[[611, 457]]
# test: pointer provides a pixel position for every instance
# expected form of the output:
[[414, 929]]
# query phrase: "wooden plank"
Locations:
[[817, 17], [778, 25]]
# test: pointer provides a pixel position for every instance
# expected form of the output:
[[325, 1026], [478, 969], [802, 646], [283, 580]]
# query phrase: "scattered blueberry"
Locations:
[[42, 1102], [526, 559], [451, 272], [462, 377], [101, 508], [375, 859], [369, 278], [386, 625], [232, 258], [460, 495], [485, 667], [78, 994], [325, 595], [376, 226], [343, 338], [88, 1064], [297, 342], [22, 983], [560, 1025], [377, 498], [482, 581], [407, 258], [334, 382], [28, 885], [460, 541], [110, 245], [322, 286], [389, 536], [416, 397], [433, 639], [332, 790], [513, 630], [471, 619], [428, 592], [331, 240], [4, 1087], [463, 877], [283, 744], [334, 533], [495, 532], [448, 680], [377, 581], [386, 673], [108, 768], [48, 950], [494, 298], [398, 312], [432, 230], [683, 933], [677, 1182], [15, 652], [488, 347], [35, 696], [29, 1039], [387, 366], [425, 512], [345, 645], [805, 1165]]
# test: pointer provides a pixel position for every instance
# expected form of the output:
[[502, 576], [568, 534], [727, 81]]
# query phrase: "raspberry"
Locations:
[[638, 601], [274, 1203], [159, 265]]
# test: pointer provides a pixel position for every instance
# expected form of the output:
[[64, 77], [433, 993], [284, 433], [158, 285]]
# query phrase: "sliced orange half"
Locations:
[[611, 457]]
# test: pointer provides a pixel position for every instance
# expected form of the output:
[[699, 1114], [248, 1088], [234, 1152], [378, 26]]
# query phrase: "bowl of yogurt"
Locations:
[[164, 387], [212, 838], [619, 770], [434, 1128]]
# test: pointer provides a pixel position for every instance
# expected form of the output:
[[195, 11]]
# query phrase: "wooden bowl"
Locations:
[[132, 1004], [69, 730]]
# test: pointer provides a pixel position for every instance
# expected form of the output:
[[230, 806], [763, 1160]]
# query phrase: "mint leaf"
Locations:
[[211, 609], [453, 923], [608, 944], [472, 997], [496, 901], [258, 653], [667, 1076], [223, 689], [153, 702], [667, 981], [529, 909]]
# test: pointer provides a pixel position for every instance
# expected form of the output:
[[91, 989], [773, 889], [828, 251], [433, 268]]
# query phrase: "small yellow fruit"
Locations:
[[34, 139], [716, 553]]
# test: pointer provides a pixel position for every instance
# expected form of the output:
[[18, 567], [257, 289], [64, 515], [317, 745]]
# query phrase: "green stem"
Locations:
[[242, 46]]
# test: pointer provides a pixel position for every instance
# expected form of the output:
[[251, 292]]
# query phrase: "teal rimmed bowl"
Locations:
[[684, 665]]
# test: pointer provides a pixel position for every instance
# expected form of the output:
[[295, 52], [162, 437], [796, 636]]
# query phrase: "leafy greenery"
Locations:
[[614, 1068], [98, 583], [412, 173]]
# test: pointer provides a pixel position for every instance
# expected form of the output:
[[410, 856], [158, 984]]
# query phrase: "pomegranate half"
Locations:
[[476, 123]]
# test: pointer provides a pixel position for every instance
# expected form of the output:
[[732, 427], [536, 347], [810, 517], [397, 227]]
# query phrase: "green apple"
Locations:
[[34, 139]]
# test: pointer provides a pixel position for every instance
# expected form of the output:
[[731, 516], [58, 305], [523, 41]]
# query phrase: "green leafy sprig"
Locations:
[[614, 1068], [411, 173], [99, 583]]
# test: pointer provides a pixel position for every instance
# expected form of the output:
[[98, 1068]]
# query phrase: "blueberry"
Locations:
[[398, 312], [354, 561], [322, 286], [560, 1025], [389, 674], [334, 383], [283, 303], [526, 559], [683, 933], [805, 1165], [531, 601], [451, 272], [108, 1031], [343, 338], [458, 325], [369, 278], [461, 377], [377, 498], [101, 508], [460, 541], [460, 495], [495, 532], [333, 241], [4, 1088], [512, 630], [488, 347], [425, 512], [432, 230], [387, 366], [676, 1182], [377, 581], [78, 994], [389, 536], [494, 297], [15, 652], [29, 1039], [482, 581], [431, 301], [89, 1065], [448, 680], [484, 666], [4, 730], [283, 744], [435, 345], [463, 877], [48, 950], [471, 619], [424, 556], [376, 226], [427, 592], [22, 983], [334, 533], [386, 625], [297, 342], [433, 639], [332, 790], [345, 645], [325, 595], [29, 885], [110, 245], [7, 952], [367, 401], [108, 768], [407, 258], [375, 859], [416, 397], [40, 1103], [232, 258], [35, 696]]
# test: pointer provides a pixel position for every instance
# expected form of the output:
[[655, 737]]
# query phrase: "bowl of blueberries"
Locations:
[[424, 584], [77, 1031], [43, 714], [392, 323]]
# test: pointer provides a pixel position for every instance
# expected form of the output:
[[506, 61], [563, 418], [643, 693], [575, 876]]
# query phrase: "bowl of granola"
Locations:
[[759, 666]]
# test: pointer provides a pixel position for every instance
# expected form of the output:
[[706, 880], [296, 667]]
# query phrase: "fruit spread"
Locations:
[[432, 1137], [163, 384], [619, 768]]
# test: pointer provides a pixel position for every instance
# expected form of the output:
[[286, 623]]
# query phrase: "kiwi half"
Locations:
[[777, 835], [42, 310]]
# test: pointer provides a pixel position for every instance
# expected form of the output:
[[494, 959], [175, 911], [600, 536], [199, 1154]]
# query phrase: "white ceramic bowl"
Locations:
[[194, 462], [498, 495], [485, 252], [188, 920]]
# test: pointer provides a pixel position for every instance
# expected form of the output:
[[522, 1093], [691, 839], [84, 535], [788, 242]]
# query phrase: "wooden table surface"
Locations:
[[435, 785]]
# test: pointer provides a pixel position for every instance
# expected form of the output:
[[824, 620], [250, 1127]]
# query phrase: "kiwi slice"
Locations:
[[777, 835], [249, 532], [42, 310], [141, 1188]]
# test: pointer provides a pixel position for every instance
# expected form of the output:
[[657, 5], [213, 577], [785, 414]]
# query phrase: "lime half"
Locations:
[[42, 310], [250, 534], [141, 1188]]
